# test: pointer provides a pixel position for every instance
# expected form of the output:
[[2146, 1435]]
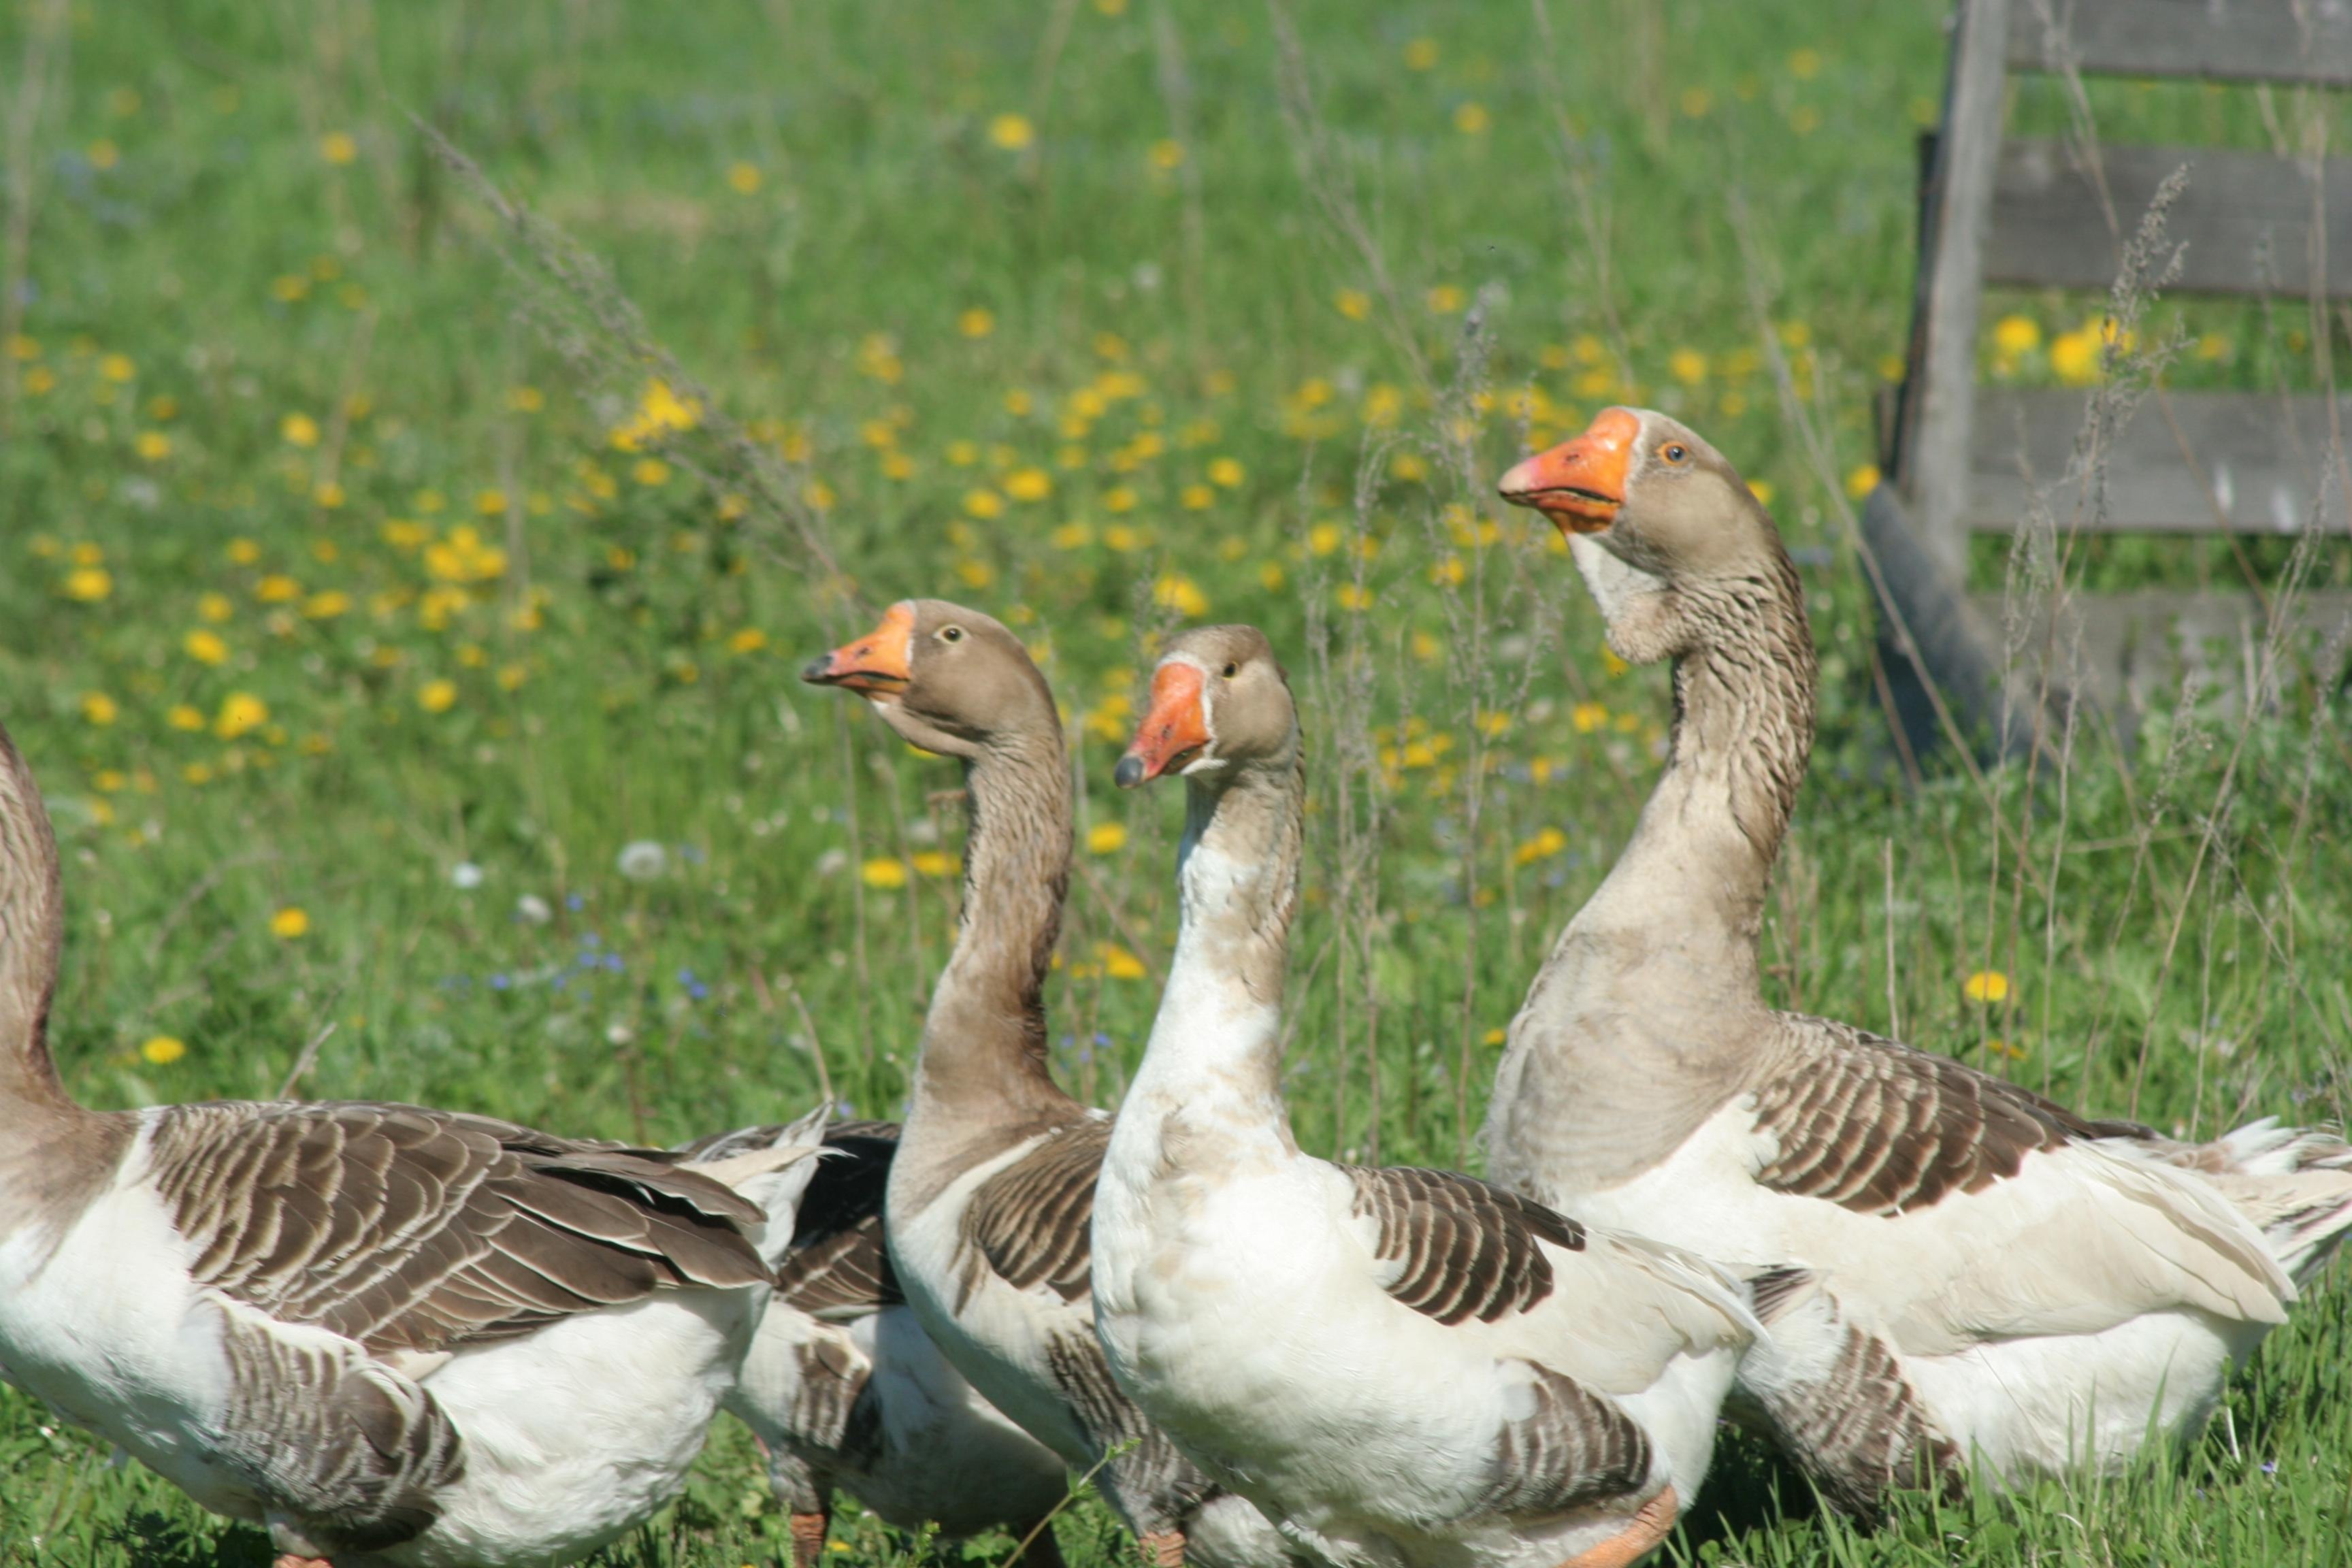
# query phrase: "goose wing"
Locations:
[[415, 1230], [1032, 1222]]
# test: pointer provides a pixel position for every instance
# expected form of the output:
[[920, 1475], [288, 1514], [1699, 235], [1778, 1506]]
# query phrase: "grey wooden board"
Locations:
[[2246, 218], [2137, 652], [2184, 462], [2216, 40]]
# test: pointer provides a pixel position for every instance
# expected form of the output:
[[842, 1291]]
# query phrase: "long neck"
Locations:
[[1701, 854], [32, 1099], [983, 1055], [1213, 1057]]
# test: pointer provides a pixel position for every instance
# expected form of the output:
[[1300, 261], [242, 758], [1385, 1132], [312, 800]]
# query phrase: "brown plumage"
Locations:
[[1466, 1249], [1032, 1222]]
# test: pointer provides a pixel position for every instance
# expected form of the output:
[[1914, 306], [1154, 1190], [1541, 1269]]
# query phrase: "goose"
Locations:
[[1962, 1278], [991, 1193], [844, 1388], [1400, 1365], [390, 1335]]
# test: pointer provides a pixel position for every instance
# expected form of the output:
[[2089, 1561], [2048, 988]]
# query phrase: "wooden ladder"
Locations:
[[1962, 459]]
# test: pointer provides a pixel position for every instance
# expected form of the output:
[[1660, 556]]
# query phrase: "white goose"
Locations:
[[1987, 1278], [391, 1335], [992, 1189], [1402, 1366], [845, 1389]]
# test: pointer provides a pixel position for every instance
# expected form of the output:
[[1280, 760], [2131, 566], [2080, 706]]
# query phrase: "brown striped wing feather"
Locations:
[[838, 1262], [1466, 1249], [1880, 1127], [1033, 1220], [410, 1229]]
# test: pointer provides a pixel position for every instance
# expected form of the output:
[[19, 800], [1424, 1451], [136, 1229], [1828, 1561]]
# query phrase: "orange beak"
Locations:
[[1580, 484], [878, 662], [1172, 731]]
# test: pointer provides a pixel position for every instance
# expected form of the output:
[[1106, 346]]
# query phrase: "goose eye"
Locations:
[[952, 634], [1231, 671], [1675, 452]]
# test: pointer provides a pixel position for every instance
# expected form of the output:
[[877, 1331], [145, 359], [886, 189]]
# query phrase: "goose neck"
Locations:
[[983, 1051]]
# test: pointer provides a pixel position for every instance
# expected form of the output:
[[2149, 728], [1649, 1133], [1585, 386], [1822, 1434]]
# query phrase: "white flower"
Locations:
[[832, 861], [534, 909], [618, 1033], [642, 859], [465, 876]]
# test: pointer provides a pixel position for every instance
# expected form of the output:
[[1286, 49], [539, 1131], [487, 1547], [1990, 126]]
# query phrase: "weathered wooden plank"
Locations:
[[2213, 40], [2245, 217], [1932, 435], [2185, 462], [2136, 653]]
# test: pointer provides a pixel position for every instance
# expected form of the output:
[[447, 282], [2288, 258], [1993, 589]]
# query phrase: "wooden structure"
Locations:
[[1963, 459]]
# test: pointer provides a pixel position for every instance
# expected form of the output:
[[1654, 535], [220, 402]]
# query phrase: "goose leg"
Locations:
[[1043, 1551], [290, 1560], [1163, 1549], [1653, 1522], [809, 1530]]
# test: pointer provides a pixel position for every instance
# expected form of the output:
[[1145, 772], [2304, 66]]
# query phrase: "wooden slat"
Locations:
[[2187, 462], [2133, 653], [2213, 40], [2245, 217]]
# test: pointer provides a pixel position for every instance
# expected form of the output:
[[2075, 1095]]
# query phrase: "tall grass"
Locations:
[[1104, 318]]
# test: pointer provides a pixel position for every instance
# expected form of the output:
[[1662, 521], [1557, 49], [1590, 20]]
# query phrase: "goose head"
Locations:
[[947, 678], [1657, 519], [1220, 702]]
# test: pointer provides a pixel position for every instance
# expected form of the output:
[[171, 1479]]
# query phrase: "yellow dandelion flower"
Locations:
[[1125, 539], [1196, 498], [118, 368], [1494, 1037], [162, 1050], [2074, 356], [1105, 838], [1444, 300], [1179, 593], [99, 708], [290, 923], [935, 864], [337, 147], [326, 604], [750, 639], [1225, 473], [1271, 576], [205, 646], [1860, 480], [1687, 366], [1804, 64], [1588, 717], [153, 446], [88, 585], [1167, 154], [299, 430], [983, 504], [2014, 335], [1545, 843], [1352, 303], [976, 323], [1421, 55], [184, 716], [885, 872], [1118, 963], [437, 696], [1028, 484], [241, 713], [1986, 987], [1011, 132], [744, 178], [277, 588], [1471, 118]]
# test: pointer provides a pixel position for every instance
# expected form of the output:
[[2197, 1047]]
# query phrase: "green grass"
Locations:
[[276, 352]]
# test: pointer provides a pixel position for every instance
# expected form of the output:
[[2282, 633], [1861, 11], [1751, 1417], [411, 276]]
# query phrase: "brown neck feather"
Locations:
[[52, 1152], [983, 1068], [1743, 733]]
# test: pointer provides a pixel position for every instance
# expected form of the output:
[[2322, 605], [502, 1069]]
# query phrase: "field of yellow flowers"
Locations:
[[404, 592]]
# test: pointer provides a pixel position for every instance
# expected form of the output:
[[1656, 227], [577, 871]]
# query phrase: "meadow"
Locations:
[[409, 561]]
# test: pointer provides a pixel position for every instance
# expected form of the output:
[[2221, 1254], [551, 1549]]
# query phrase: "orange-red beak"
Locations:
[[878, 662], [1580, 484], [1172, 731]]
